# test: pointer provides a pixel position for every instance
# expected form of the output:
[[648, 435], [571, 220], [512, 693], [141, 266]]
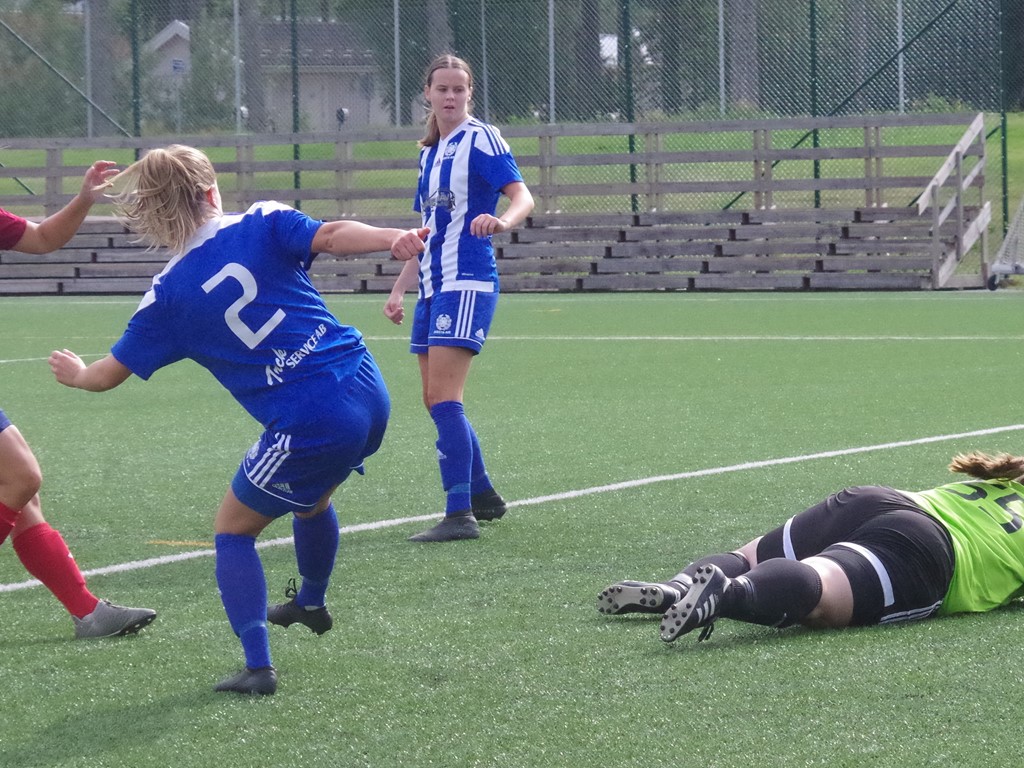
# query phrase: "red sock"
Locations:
[[44, 554], [7, 518]]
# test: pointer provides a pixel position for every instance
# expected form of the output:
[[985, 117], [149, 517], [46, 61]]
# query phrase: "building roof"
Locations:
[[175, 29], [331, 44]]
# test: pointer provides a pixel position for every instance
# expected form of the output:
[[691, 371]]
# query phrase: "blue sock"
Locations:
[[479, 482], [243, 590], [454, 453], [316, 545]]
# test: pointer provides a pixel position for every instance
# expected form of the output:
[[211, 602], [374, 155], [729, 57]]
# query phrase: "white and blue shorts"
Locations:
[[453, 319]]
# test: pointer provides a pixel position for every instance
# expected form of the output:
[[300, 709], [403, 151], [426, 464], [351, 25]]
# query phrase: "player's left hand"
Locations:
[[98, 179], [394, 309], [486, 225]]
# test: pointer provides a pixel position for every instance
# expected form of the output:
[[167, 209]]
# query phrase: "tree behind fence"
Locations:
[[172, 66], [176, 67]]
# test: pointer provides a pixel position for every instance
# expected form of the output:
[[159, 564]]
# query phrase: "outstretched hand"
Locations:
[[410, 244], [66, 366], [101, 375], [98, 179]]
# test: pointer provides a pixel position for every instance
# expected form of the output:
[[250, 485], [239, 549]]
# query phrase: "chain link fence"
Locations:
[[192, 67]]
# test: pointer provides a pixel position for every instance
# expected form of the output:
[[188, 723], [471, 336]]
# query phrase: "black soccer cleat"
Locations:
[[488, 505], [699, 607], [451, 528], [285, 614], [262, 682], [637, 597]]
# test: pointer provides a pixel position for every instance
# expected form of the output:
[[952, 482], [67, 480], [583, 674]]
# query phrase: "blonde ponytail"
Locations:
[[1002, 466], [163, 195]]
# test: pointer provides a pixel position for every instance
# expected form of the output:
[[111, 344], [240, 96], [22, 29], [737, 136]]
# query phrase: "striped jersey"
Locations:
[[239, 302], [461, 177], [984, 520]]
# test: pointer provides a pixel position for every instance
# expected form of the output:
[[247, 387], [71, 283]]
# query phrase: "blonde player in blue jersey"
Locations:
[[465, 167], [236, 298], [866, 555]]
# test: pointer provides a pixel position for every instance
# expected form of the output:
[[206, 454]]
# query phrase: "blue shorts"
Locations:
[[453, 319], [285, 473], [4, 421]]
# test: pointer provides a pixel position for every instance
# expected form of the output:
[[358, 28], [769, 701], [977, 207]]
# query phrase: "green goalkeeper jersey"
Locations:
[[984, 519]]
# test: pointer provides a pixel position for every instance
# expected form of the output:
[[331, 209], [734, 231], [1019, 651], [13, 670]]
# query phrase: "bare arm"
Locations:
[[519, 207], [348, 238], [70, 370], [406, 280], [57, 229]]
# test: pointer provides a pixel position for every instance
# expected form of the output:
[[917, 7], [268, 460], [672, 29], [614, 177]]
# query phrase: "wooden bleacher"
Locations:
[[790, 250], [778, 230]]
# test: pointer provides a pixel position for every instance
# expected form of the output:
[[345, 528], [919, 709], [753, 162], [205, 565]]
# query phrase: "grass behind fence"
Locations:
[[490, 653], [590, 174]]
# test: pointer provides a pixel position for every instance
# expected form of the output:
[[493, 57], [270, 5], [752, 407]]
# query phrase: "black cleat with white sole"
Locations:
[[699, 607], [637, 597]]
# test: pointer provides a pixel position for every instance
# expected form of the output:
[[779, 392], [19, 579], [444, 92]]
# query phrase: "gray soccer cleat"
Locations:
[[637, 597], [451, 528], [109, 620], [699, 607]]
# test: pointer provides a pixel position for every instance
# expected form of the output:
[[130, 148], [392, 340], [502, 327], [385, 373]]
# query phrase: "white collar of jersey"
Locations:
[[204, 233], [456, 129]]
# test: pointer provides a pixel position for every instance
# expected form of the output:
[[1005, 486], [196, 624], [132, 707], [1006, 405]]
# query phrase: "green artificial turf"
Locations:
[[631, 434]]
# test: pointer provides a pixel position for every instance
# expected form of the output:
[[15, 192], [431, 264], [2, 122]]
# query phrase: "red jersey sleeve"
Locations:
[[11, 229]]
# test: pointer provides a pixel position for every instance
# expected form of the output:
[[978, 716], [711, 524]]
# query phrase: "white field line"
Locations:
[[153, 562], [836, 297], [750, 337]]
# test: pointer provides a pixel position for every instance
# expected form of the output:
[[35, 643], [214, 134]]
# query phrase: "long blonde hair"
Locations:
[[163, 195], [1002, 466], [444, 61]]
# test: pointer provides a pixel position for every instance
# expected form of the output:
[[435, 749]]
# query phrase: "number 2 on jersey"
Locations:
[[232, 314]]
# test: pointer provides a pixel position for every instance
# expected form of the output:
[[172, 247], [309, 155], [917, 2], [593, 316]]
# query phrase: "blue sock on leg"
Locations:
[[243, 590], [454, 453], [316, 546], [479, 480]]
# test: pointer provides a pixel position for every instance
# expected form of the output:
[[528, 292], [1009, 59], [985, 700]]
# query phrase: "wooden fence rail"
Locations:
[[874, 201]]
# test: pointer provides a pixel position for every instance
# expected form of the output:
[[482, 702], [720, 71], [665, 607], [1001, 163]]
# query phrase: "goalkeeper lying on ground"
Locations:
[[866, 555]]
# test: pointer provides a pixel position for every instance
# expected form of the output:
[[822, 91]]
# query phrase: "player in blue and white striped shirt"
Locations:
[[465, 167], [236, 299]]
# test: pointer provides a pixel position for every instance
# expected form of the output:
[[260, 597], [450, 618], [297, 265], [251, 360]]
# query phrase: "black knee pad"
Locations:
[[775, 593]]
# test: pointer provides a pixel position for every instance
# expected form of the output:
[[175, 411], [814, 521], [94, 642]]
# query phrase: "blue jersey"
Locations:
[[239, 303], [461, 177]]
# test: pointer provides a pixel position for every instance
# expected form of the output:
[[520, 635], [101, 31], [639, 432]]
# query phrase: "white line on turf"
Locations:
[[751, 337], [153, 562]]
